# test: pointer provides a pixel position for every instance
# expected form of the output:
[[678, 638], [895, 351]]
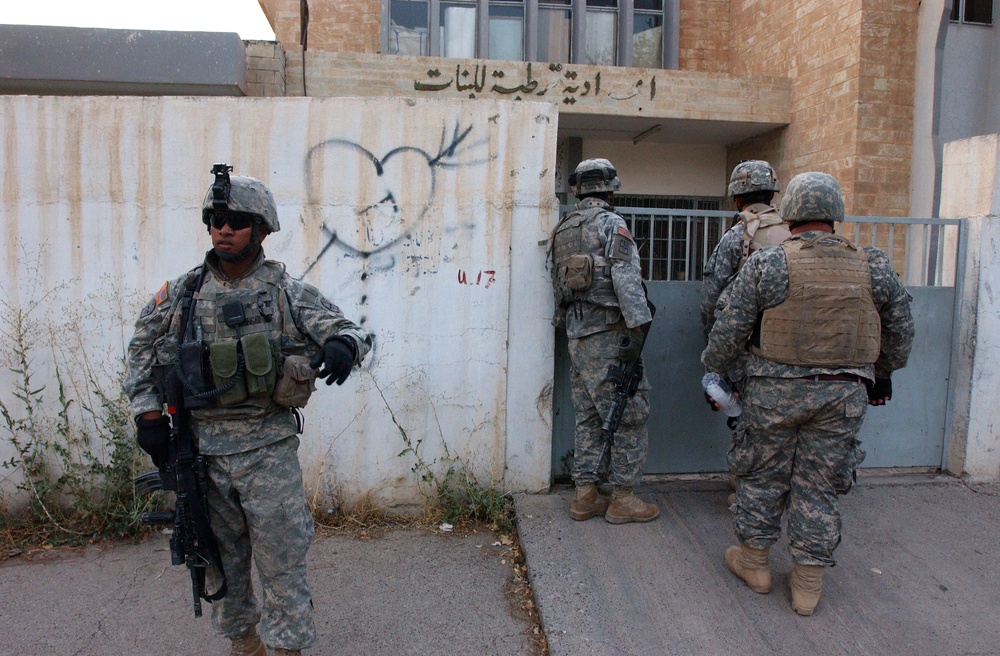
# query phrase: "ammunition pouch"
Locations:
[[296, 383], [578, 272], [255, 379]]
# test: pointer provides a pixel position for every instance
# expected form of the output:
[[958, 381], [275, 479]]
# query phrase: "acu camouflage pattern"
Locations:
[[589, 184], [591, 391], [812, 197], [258, 510], [732, 251], [795, 446], [248, 195], [794, 450], [605, 235], [304, 320], [753, 175], [256, 500]]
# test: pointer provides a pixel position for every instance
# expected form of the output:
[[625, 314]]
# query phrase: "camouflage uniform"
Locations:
[[595, 332], [795, 444], [256, 500], [731, 252]]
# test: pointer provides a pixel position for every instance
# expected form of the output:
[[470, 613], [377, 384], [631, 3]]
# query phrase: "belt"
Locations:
[[849, 378]]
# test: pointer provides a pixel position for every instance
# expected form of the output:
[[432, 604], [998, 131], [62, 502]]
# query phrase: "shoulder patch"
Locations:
[[163, 294], [623, 231], [148, 310], [327, 304]]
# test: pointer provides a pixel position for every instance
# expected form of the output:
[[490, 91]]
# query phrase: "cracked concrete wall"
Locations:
[[425, 221]]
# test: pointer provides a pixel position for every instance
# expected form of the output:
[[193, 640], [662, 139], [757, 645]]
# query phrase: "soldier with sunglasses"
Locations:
[[263, 336]]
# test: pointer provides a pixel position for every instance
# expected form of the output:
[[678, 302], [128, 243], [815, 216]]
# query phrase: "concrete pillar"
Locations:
[[970, 189]]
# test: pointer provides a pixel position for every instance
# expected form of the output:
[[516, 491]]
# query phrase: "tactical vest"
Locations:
[[256, 339], [762, 226], [828, 318], [582, 271]]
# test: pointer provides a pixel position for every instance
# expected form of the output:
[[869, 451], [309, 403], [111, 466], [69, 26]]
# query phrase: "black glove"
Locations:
[[630, 347], [880, 391], [337, 359], [711, 402], [153, 435]]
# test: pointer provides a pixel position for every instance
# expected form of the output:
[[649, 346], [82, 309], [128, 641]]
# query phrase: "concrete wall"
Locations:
[[970, 189], [664, 169], [101, 197]]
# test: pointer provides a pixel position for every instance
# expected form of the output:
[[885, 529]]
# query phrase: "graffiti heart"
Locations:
[[367, 203]]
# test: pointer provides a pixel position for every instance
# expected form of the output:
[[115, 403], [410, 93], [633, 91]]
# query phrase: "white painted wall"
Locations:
[[970, 189], [102, 195]]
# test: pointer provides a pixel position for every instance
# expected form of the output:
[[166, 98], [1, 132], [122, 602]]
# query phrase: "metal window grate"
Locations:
[[675, 244]]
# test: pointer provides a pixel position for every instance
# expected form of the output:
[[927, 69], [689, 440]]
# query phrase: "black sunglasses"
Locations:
[[236, 220]]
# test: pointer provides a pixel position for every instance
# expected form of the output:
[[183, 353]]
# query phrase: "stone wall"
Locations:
[[265, 69]]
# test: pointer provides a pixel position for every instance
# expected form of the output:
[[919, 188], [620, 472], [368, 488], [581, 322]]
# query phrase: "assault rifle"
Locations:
[[626, 380], [186, 474]]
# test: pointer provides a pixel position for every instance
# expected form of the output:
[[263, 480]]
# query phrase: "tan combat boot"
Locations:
[[626, 507], [588, 503], [248, 645], [806, 582], [750, 565]]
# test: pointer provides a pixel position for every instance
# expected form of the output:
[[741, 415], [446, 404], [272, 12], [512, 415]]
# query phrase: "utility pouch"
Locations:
[[261, 373], [296, 383], [578, 272], [225, 359]]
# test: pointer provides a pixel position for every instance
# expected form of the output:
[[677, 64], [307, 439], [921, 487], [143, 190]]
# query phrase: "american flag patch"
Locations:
[[623, 231], [161, 296]]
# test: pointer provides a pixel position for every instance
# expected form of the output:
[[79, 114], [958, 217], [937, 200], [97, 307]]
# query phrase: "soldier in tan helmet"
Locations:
[[823, 325]]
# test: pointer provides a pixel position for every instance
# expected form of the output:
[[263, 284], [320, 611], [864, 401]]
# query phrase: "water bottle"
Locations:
[[722, 394]]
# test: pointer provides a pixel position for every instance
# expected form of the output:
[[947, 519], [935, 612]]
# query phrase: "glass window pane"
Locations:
[[408, 28], [648, 5], [954, 11], [979, 11], [602, 3], [602, 38], [647, 41], [554, 35], [458, 30], [506, 32]]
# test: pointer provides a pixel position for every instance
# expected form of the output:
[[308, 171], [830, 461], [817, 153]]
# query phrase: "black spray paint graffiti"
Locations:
[[381, 220]]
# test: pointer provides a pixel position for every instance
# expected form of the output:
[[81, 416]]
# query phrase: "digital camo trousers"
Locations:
[[793, 448], [258, 510], [592, 394]]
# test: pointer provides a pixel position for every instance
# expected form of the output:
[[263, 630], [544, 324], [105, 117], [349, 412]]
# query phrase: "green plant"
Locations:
[[457, 493], [69, 478]]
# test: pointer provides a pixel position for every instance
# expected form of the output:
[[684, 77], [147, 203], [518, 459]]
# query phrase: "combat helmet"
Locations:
[[594, 175], [812, 196], [239, 193], [753, 175]]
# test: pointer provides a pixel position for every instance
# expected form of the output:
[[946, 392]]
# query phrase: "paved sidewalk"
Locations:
[[918, 573], [408, 592]]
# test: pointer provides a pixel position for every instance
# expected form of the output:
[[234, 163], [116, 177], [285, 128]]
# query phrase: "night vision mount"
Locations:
[[221, 186]]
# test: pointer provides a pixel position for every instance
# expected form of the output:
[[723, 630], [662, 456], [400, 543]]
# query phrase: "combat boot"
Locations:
[[588, 503], [626, 507], [806, 582], [750, 565], [248, 645]]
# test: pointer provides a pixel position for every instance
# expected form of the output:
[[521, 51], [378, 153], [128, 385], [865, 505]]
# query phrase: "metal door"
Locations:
[[685, 436]]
